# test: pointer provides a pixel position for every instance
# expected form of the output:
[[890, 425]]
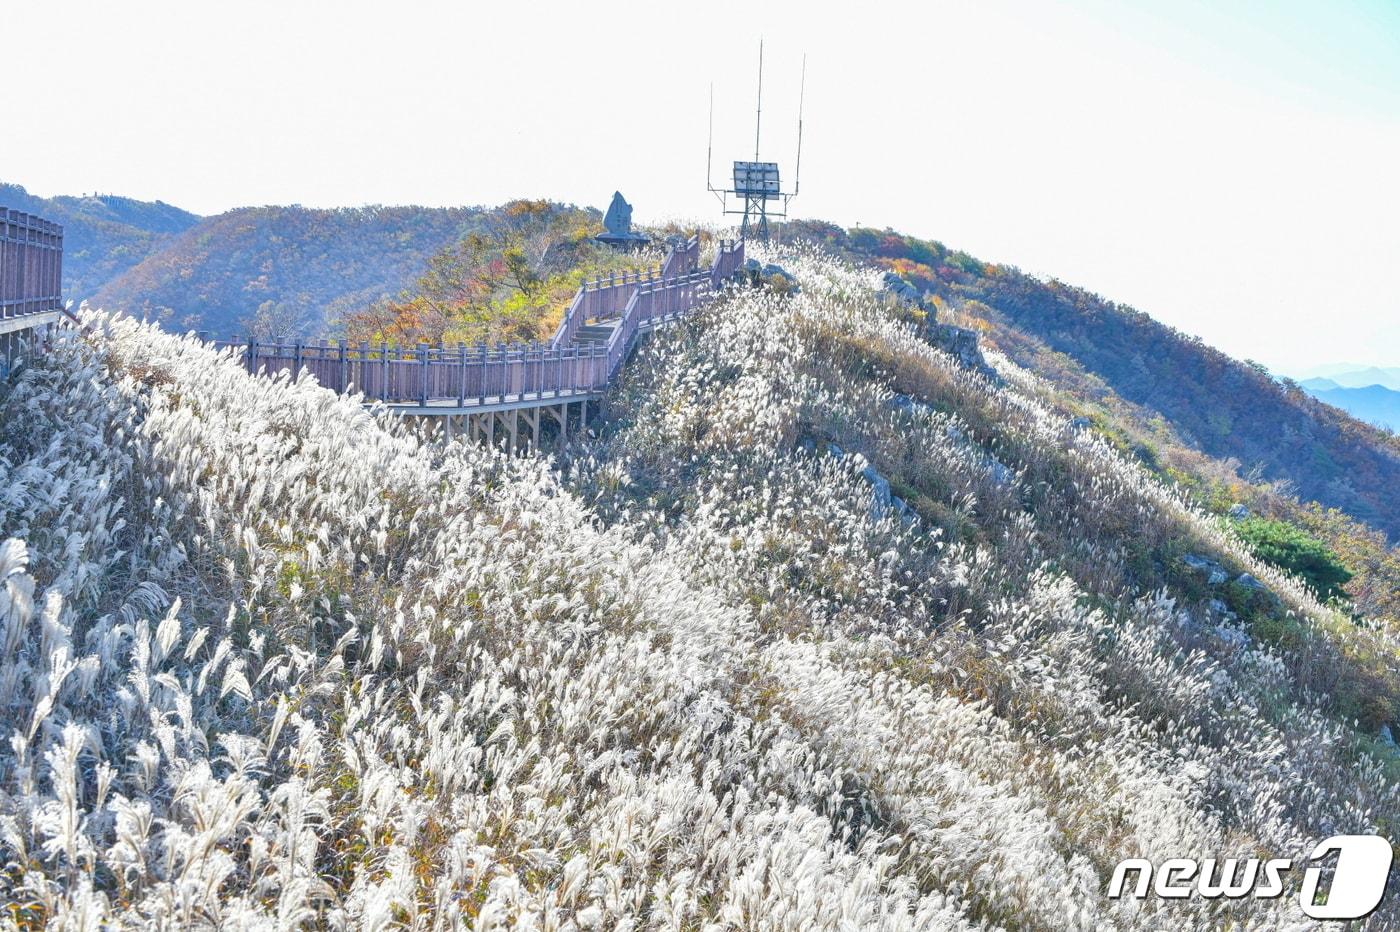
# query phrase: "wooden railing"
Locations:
[[682, 259], [31, 265], [729, 258], [467, 374], [475, 375], [605, 298], [653, 303]]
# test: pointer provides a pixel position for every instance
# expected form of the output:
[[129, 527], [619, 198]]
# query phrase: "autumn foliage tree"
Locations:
[[506, 280]]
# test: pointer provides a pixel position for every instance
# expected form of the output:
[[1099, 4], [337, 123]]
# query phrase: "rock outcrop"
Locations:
[[1249, 582], [1213, 572], [961, 344], [905, 292], [772, 275], [958, 342]]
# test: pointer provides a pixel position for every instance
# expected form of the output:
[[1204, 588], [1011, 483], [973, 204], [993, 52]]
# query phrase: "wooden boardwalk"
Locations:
[[31, 284], [516, 387]]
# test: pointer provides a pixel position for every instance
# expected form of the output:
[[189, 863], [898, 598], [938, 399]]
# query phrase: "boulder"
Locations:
[[906, 404], [879, 483], [901, 289], [1239, 511], [1221, 609], [961, 344], [772, 274], [906, 514], [901, 402], [1232, 635], [1002, 474], [1249, 582], [1215, 573]]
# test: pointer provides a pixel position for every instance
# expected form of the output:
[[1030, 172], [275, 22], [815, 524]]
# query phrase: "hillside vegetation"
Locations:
[[509, 280], [410, 274], [284, 272], [825, 632], [1204, 399], [103, 234]]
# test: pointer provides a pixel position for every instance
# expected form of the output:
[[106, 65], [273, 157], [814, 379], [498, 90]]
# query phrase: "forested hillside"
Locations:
[[825, 631], [510, 279], [284, 271], [1222, 407], [104, 234]]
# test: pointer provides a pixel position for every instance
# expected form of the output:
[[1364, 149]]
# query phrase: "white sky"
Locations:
[[1235, 174]]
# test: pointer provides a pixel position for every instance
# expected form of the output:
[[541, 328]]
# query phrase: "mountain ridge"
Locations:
[[1349, 375], [1374, 403], [297, 267]]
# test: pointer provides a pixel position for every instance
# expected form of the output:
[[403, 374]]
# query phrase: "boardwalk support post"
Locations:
[[423, 389], [384, 371], [461, 374]]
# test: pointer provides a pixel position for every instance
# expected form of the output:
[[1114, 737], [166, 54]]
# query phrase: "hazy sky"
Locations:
[[1232, 168]]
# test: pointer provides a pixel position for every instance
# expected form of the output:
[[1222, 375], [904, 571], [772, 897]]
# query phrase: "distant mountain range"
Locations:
[[300, 265], [1369, 394], [1350, 375]]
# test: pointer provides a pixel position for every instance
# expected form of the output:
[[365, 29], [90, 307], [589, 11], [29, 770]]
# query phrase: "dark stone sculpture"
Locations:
[[617, 225]]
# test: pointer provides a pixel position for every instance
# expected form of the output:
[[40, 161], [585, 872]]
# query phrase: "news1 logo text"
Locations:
[[1356, 888]]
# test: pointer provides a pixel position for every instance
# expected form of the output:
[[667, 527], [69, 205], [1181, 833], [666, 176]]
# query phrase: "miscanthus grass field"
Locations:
[[271, 660]]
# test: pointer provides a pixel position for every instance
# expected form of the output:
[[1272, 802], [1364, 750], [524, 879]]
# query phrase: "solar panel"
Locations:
[[756, 179]]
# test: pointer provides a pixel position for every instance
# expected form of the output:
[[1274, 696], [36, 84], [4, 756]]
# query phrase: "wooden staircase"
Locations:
[[595, 333]]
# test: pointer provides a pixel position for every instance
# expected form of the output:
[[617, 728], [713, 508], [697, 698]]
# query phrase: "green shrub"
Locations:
[[1288, 548]]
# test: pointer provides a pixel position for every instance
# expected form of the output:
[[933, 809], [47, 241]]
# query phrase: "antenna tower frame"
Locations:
[[756, 183]]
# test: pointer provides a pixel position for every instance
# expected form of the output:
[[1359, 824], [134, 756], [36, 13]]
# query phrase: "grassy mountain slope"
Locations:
[[313, 669], [1212, 403], [104, 234], [295, 267]]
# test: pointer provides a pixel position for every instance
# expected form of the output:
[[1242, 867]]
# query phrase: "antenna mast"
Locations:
[[801, 99], [756, 183], [758, 120], [710, 146]]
